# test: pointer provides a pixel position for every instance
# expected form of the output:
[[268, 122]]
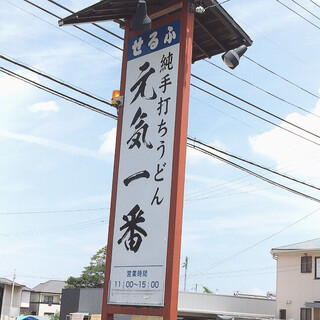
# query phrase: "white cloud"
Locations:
[[49, 143], [194, 157], [107, 147], [105, 151], [10, 85], [287, 149], [16, 187], [45, 107]]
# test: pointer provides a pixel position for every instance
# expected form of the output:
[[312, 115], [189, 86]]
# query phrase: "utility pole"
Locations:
[[185, 266], [12, 292]]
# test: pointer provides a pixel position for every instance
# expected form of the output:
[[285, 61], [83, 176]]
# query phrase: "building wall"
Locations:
[[45, 309], [5, 312], [294, 288], [190, 303], [25, 299], [39, 306], [69, 302]]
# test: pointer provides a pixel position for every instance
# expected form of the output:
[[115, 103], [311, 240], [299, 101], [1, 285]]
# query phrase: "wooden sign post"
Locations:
[[143, 252], [144, 240]]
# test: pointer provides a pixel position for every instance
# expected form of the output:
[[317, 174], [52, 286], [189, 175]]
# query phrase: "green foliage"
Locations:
[[55, 316], [93, 275], [206, 290]]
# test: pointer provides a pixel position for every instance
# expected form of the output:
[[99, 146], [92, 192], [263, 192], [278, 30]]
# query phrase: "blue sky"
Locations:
[[56, 156]]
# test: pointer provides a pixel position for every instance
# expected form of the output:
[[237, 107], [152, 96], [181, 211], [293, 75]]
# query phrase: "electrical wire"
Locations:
[[281, 77], [315, 3], [254, 106], [20, 64], [305, 9], [189, 144], [51, 211], [298, 14], [52, 78], [56, 93], [253, 173], [252, 163], [253, 114], [77, 27], [108, 31], [71, 227], [221, 261], [261, 89], [72, 35], [193, 75], [94, 24]]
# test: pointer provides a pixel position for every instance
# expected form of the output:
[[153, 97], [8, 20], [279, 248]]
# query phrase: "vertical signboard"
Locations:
[[140, 233]]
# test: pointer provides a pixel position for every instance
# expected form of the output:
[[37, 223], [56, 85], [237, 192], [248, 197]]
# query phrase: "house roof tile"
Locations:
[[51, 286], [310, 245]]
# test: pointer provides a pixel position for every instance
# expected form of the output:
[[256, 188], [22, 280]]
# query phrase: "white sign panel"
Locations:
[[138, 265]]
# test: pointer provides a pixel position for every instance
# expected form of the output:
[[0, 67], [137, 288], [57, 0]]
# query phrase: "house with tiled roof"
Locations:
[[298, 280], [14, 299], [46, 298]]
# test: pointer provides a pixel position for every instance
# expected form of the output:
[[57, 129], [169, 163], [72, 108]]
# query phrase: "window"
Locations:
[[306, 264], [317, 268], [305, 314], [283, 314], [48, 299]]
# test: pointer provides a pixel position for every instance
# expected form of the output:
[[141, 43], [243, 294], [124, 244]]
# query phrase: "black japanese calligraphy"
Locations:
[[159, 171], [141, 129], [162, 147], [156, 198], [162, 128], [141, 84], [163, 104], [165, 82], [132, 230], [167, 62], [136, 176]]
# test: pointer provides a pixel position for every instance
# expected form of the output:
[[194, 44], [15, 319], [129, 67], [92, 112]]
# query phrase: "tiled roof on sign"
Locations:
[[215, 31]]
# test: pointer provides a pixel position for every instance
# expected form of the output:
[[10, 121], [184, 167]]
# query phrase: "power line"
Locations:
[[77, 27], [47, 76], [106, 30], [314, 3], [20, 64], [56, 93], [253, 114], [253, 164], [253, 173], [189, 144], [276, 44], [217, 88], [95, 24], [305, 9], [219, 262], [41, 73], [52, 211], [281, 77], [261, 89], [72, 35], [71, 227], [254, 106], [298, 14]]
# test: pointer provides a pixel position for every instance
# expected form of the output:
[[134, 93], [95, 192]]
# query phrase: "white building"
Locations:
[[79, 303], [18, 298], [298, 280], [46, 298]]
